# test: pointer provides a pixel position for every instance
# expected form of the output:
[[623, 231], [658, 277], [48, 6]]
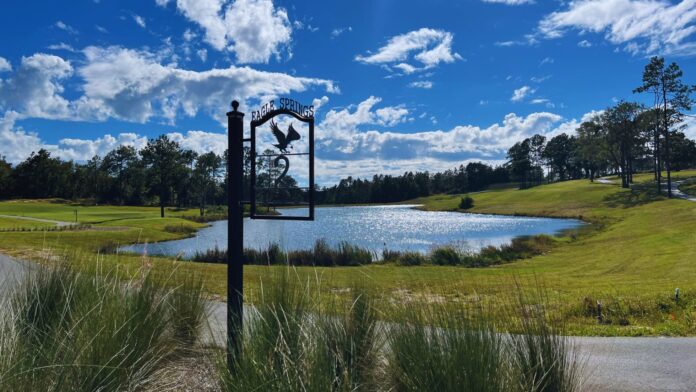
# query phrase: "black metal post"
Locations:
[[235, 232]]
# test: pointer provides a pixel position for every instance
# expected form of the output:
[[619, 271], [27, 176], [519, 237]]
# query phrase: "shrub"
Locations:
[[446, 255], [411, 258], [466, 203], [179, 229], [390, 256]]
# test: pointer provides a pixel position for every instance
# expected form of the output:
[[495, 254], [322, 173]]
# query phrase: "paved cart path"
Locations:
[[57, 223], [613, 364]]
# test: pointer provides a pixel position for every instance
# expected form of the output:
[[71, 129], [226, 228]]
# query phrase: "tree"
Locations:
[[536, 150], [622, 137], [207, 170], [557, 153], [42, 176], [165, 161], [683, 152], [519, 161], [590, 147], [122, 165], [6, 188], [671, 97]]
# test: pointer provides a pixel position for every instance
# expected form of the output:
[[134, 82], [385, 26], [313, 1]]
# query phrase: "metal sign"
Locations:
[[282, 160]]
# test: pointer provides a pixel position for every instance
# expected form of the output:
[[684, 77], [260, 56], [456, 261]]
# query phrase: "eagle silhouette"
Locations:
[[284, 140]]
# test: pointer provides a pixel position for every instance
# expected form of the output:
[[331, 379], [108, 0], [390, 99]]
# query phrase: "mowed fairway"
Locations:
[[637, 249]]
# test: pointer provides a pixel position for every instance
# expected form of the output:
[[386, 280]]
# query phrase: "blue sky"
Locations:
[[399, 85]]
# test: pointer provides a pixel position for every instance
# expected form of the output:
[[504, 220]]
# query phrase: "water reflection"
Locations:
[[396, 227]]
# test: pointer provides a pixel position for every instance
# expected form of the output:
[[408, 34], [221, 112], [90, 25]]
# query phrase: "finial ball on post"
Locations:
[[235, 105]]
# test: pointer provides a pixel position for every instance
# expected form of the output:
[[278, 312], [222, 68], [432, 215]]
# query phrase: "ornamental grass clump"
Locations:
[[293, 342], [62, 330], [290, 345]]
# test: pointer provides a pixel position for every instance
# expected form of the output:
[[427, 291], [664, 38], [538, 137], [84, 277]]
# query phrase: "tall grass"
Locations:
[[63, 330], [347, 255], [292, 344]]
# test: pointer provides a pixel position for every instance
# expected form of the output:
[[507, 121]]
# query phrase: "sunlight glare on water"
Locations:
[[398, 227]]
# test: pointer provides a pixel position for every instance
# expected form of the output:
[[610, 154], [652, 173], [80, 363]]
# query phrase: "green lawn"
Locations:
[[22, 224], [637, 250]]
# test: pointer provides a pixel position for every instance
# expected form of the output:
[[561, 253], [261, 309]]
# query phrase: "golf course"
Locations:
[[615, 276]]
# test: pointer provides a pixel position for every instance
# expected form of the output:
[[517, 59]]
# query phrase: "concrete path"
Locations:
[[57, 223], [679, 194], [612, 364], [604, 180]]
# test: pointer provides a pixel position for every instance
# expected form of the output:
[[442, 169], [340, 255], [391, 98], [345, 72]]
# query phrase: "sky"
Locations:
[[397, 85]]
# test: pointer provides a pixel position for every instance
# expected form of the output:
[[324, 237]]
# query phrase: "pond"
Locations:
[[396, 227]]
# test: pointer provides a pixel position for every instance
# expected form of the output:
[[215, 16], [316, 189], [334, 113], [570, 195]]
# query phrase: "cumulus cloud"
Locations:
[[520, 93], [34, 89], [16, 144], [5, 65], [348, 143], [584, 44], [134, 85], [645, 26], [254, 30], [430, 47], [343, 133]]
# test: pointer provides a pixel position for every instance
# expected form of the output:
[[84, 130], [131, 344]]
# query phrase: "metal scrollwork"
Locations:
[[276, 161]]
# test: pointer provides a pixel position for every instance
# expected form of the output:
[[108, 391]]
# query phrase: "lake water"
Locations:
[[398, 227]]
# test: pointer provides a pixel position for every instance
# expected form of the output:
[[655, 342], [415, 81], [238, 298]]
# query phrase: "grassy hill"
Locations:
[[638, 248]]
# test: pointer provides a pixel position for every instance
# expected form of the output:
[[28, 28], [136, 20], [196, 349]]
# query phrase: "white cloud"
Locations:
[[65, 27], [34, 89], [101, 29], [428, 46], [139, 20], [347, 144], [585, 44], [406, 68], [16, 144], [510, 2], [649, 26], [254, 30], [546, 60], [425, 84], [338, 31], [5, 65], [522, 92], [134, 85], [62, 46], [202, 54]]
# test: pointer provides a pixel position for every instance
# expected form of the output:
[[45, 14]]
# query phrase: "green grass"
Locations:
[[638, 249], [18, 223]]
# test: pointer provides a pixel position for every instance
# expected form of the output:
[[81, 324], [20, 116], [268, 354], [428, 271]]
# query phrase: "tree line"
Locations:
[[623, 139]]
